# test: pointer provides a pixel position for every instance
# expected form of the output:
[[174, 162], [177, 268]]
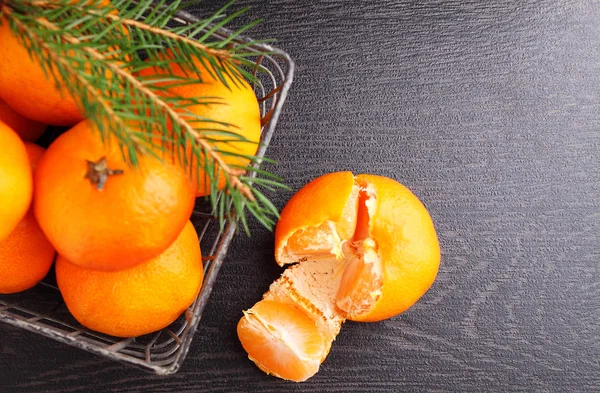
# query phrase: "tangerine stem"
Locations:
[[98, 172]]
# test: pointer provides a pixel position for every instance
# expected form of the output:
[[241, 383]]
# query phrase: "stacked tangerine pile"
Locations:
[[364, 248], [128, 259]]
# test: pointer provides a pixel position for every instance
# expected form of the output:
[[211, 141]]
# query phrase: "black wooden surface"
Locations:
[[490, 113]]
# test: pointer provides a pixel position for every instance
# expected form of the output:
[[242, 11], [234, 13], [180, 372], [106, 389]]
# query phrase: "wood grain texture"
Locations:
[[490, 113]]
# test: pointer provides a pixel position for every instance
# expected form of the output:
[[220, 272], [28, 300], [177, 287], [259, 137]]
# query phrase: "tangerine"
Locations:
[[282, 340], [28, 89], [15, 180], [29, 130], [309, 312], [139, 300], [25, 255], [364, 248], [101, 213], [230, 117], [392, 253], [398, 252]]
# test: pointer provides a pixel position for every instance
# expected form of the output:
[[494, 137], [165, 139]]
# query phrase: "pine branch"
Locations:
[[232, 173], [222, 54], [138, 111], [219, 53]]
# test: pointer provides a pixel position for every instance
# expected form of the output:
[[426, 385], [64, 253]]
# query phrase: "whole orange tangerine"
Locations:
[[139, 300], [229, 120], [101, 213], [25, 255], [27, 129], [27, 89], [15, 180]]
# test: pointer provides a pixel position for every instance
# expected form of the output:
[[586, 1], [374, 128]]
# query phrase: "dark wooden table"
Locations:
[[490, 113]]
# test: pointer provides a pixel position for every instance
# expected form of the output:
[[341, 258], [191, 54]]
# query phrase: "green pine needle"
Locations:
[[84, 43]]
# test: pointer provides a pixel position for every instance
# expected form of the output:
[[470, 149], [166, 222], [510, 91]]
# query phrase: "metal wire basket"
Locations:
[[42, 310]]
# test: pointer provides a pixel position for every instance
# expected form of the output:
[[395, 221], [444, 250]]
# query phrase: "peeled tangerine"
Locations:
[[364, 248]]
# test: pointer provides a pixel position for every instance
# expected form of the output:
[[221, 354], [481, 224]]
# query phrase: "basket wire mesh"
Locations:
[[42, 310]]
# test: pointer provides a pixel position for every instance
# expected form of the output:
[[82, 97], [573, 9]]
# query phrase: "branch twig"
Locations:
[[220, 53], [232, 173]]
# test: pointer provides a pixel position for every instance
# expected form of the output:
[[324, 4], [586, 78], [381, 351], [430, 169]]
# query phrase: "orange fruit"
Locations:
[[234, 104], [399, 249], [317, 218], [139, 300], [392, 253], [25, 255], [100, 213], [27, 129], [34, 154], [27, 89], [15, 180], [365, 249]]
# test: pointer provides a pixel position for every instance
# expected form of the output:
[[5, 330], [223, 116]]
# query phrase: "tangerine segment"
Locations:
[[407, 246], [362, 282], [303, 306], [282, 340], [317, 219], [138, 300]]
